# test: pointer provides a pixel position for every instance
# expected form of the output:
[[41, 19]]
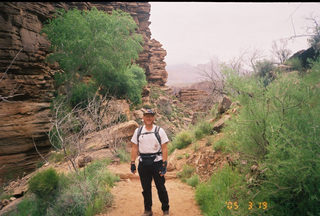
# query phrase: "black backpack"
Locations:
[[156, 133]]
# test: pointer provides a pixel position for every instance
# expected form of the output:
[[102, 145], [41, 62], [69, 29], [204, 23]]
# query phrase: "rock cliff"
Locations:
[[26, 85]]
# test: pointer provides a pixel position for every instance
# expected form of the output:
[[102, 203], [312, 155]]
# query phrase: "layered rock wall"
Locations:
[[192, 97], [26, 84]]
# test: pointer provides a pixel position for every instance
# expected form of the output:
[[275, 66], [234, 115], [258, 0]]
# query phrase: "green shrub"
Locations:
[[86, 193], [264, 70], [44, 184], [222, 187], [295, 64], [29, 205], [214, 110], [277, 127], [186, 172], [82, 48], [80, 93], [193, 181], [220, 145], [202, 129], [123, 155], [181, 140], [71, 202], [56, 157]]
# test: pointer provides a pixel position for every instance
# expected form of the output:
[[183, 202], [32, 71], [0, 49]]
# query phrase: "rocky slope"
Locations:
[[26, 85]]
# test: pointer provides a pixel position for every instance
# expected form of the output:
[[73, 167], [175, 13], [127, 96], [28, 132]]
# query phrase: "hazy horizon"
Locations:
[[196, 32]]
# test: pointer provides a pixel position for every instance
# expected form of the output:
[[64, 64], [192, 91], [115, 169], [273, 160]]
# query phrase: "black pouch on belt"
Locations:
[[147, 159]]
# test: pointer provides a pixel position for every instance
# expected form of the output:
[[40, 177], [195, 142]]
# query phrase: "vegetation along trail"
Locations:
[[128, 199]]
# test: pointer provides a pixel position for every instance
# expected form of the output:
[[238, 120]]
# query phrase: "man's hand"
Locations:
[[133, 167], [163, 169]]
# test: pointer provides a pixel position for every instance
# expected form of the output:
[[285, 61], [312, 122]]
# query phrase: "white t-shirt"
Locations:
[[148, 143]]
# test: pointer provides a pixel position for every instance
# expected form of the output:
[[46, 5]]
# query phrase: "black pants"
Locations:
[[146, 174]]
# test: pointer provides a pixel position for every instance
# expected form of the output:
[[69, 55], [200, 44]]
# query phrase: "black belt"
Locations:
[[150, 154]]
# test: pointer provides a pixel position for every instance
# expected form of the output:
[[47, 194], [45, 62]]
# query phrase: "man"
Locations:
[[153, 153]]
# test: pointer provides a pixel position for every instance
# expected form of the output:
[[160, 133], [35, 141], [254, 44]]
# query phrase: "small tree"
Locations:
[[97, 45], [264, 70]]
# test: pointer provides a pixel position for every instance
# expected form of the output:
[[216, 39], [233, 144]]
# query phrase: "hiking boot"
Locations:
[[166, 213], [147, 213]]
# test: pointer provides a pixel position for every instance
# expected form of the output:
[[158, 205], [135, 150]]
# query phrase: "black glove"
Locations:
[[133, 167], [163, 169]]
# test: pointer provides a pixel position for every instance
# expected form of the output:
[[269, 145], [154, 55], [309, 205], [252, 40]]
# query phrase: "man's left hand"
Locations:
[[163, 169]]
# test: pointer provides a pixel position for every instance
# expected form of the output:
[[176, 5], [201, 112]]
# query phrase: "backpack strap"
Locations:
[[156, 132], [138, 135]]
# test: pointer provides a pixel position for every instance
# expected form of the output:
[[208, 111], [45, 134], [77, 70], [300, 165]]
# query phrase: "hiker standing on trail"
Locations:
[[151, 141]]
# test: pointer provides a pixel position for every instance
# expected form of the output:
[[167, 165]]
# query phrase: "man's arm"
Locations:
[[165, 151], [164, 158], [134, 153]]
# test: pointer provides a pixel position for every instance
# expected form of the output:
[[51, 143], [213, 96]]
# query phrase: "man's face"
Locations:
[[148, 118]]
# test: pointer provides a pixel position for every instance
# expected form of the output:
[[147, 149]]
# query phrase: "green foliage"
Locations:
[[44, 184], [278, 127], [4, 195], [193, 181], [122, 153], [220, 145], [28, 206], [186, 172], [202, 129], [80, 93], [95, 44], [181, 140], [223, 186], [85, 193], [214, 111], [186, 137], [295, 64], [56, 157], [315, 38], [264, 70]]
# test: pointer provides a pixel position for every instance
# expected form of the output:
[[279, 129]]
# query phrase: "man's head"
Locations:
[[148, 116]]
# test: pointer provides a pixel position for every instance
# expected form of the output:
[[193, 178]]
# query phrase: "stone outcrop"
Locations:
[[305, 55], [156, 72], [27, 81], [192, 97], [224, 105]]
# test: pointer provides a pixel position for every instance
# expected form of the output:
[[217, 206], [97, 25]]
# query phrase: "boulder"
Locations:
[[109, 136], [224, 105], [220, 123], [84, 160]]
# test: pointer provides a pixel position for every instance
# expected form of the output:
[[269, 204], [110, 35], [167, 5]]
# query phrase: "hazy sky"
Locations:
[[195, 32]]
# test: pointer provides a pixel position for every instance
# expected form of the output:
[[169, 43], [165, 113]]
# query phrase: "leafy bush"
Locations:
[[123, 155], [181, 140], [80, 93], [277, 127], [56, 157], [295, 64], [222, 187], [193, 181], [28, 206], [85, 193], [220, 145], [186, 173], [201, 129], [264, 70], [98, 45], [44, 184]]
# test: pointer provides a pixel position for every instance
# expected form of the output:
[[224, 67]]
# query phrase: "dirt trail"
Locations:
[[128, 200]]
